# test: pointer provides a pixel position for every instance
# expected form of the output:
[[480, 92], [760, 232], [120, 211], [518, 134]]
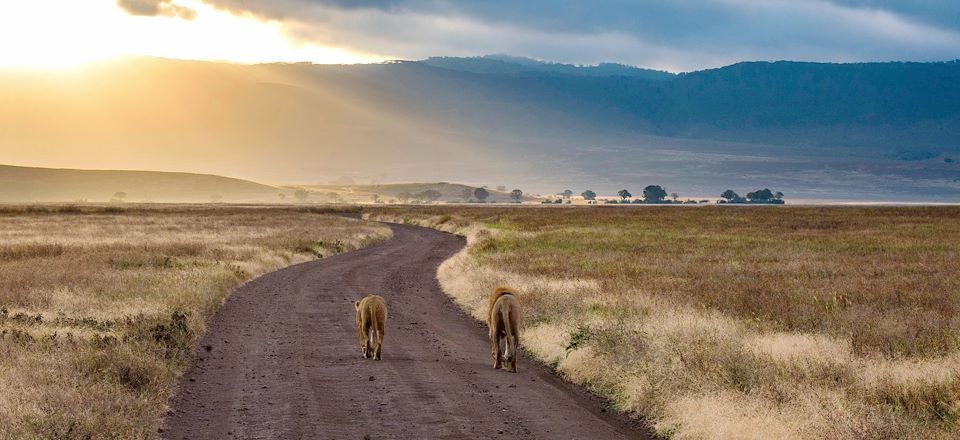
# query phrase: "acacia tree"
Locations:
[[654, 194], [589, 195], [481, 194], [429, 195], [760, 195], [301, 194], [120, 195], [674, 196], [729, 195], [567, 193], [516, 195], [624, 194]]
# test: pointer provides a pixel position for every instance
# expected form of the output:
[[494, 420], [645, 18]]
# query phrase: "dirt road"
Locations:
[[281, 360]]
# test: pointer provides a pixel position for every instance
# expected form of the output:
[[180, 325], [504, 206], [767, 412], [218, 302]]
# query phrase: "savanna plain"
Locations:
[[101, 307], [731, 322], [708, 322]]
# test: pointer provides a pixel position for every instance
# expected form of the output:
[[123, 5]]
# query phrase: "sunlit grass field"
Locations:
[[732, 322], [100, 307]]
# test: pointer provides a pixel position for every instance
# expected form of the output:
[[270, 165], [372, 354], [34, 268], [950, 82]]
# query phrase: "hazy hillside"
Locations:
[[449, 192], [24, 184], [882, 131], [796, 100]]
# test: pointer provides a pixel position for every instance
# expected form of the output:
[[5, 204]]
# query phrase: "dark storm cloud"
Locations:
[[156, 7], [677, 34], [942, 12]]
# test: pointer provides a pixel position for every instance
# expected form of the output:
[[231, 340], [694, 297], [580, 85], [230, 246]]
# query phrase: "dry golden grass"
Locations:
[[100, 307], [732, 322]]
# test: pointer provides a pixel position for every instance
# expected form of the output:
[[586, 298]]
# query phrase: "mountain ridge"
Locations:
[[812, 130], [512, 65]]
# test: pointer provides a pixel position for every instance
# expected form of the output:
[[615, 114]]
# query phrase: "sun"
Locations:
[[64, 33]]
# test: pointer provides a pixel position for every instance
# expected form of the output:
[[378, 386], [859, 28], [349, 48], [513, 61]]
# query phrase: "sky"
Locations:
[[675, 35]]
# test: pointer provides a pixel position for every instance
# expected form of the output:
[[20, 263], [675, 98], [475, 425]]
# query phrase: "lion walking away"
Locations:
[[503, 320], [371, 321]]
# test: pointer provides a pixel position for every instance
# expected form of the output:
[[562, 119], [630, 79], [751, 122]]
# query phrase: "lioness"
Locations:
[[371, 320], [503, 319]]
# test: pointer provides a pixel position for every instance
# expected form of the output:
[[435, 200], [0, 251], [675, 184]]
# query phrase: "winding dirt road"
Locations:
[[281, 360]]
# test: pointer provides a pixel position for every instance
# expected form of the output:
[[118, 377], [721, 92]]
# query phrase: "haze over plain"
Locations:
[[867, 131]]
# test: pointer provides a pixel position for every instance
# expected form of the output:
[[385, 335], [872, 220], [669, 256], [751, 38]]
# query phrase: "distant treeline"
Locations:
[[759, 196], [656, 194]]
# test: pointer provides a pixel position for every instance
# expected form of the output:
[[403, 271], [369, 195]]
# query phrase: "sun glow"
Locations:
[[64, 33]]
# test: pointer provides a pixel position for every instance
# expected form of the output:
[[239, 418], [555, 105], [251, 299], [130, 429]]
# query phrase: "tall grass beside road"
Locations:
[[100, 307], [732, 322]]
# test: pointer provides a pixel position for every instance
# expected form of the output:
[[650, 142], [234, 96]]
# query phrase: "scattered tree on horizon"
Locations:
[[516, 195], [654, 194], [405, 196], [758, 196], [301, 194], [119, 195], [729, 195], [567, 193], [674, 196], [430, 195], [481, 194], [764, 196], [624, 194], [334, 197], [589, 195]]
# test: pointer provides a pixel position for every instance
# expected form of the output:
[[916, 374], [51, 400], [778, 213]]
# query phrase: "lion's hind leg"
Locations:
[[378, 342], [365, 345], [495, 347], [513, 343]]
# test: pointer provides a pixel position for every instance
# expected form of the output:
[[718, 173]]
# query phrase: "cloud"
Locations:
[[941, 12], [156, 7], [671, 34]]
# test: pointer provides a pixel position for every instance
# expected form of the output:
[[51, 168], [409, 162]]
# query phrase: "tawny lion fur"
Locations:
[[371, 320], [503, 320]]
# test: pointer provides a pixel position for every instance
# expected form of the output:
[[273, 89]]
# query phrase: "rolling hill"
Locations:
[[26, 184], [50, 185]]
